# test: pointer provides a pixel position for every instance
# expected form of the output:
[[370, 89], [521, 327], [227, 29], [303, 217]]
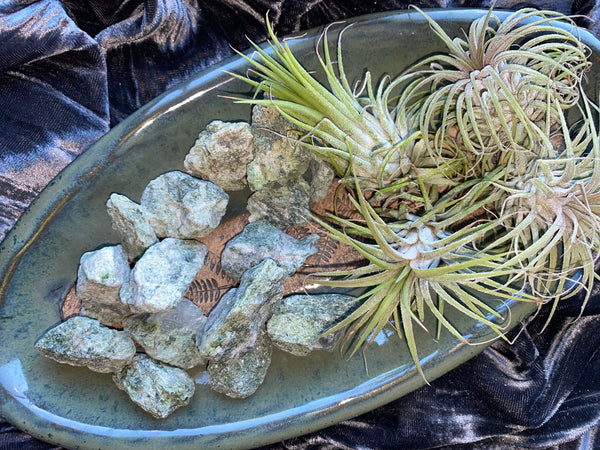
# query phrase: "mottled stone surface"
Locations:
[[299, 321], [179, 205], [100, 276], [235, 323], [241, 377], [169, 336], [320, 175], [285, 176], [82, 341], [278, 157], [161, 277], [221, 153], [261, 240], [282, 205], [131, 224], [155, 387]]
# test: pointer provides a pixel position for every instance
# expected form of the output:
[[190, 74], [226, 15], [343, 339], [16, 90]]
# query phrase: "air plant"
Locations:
[[424, 263], [551, 215], [497, 92], [520, 239], [364, 139], [472, 181]]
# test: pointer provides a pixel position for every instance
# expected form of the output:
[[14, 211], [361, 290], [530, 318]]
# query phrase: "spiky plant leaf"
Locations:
[[413, 266], [471, 181], [551, 215], [496, 92], [361, 133]]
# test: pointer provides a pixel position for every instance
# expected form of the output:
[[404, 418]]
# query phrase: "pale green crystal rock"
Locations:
[[221, 153], [283, 205], [242, 376], [298, 323], [236, 322], [320, 176], [100, 276], [277, 157], [155, 387], [131, 224], [161, 277], [169, 336], [181, 206], [82, 341], [261, 240]]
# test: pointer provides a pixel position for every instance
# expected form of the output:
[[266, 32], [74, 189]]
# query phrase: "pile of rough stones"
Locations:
[[141, 282]]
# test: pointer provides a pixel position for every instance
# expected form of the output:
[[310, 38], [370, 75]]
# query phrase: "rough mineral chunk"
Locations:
[[235, 323], [261, 240], [285, 176], [179, 205], [320, 177], [300, 320], [241, 377], [161, 277], [282, 205], [169, 336], [81, 341], [131, 223], [100, 276], [221, 153], [277, 156], [155, 387]]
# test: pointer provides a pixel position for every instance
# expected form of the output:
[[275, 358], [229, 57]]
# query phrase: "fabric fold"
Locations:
[[53, 98]]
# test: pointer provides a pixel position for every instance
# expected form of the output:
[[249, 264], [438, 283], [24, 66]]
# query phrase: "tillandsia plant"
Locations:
[[551, 215], [497, 92], [475, 172], [538, 230], [424, 263], [364, 139]]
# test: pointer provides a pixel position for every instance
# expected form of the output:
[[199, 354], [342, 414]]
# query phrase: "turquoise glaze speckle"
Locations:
[[74, 407]]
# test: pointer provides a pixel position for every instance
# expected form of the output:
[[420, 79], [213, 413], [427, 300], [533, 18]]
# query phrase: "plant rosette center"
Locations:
[[551, 202], [416, 245]]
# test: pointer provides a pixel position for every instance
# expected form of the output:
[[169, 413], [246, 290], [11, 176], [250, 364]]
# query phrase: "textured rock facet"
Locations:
[[320, 177], [131, 223], [261, 240], [181, 206], [235, 323], [81, 341], [278, 157], [282, 204], [169, 336], [162, 276], [221, 153], [284, 176], [299, 321], [155, 387], [100, 277], [241, 377]]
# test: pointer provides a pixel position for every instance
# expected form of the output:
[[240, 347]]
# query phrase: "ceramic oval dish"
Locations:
[[75, 407]]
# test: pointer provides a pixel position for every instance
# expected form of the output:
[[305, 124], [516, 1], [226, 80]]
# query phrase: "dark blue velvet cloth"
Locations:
[[71, 70]]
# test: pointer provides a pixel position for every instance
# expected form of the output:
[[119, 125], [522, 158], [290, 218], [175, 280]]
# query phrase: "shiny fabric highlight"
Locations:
[[71, 70]]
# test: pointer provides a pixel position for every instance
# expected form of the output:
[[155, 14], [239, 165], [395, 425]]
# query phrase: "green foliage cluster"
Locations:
[[475, 172]]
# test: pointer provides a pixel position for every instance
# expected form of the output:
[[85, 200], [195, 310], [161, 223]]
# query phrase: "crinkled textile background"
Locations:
[[71, 70]]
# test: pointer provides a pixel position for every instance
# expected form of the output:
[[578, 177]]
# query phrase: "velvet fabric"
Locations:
[[71, 70]]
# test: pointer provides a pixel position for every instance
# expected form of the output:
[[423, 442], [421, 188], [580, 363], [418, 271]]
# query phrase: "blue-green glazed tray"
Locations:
[[75, 407]]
